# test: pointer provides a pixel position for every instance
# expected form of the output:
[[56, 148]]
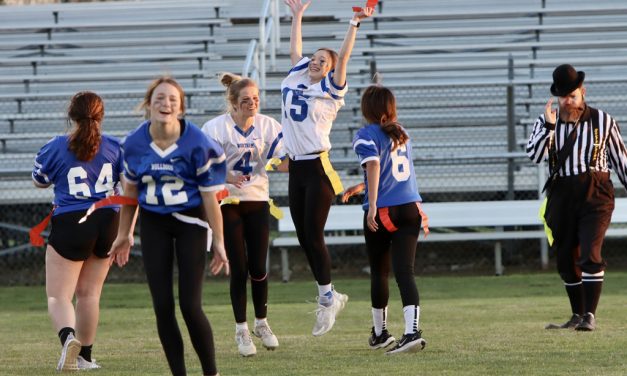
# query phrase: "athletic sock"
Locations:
[[575, 296], [64, 332], [86, 352], [241, 326], [260, 321], [412, 318], [592, 286], [379, 320], [325, 295]]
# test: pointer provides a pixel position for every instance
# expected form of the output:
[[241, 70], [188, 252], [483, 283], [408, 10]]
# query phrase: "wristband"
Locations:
[[354, 23]]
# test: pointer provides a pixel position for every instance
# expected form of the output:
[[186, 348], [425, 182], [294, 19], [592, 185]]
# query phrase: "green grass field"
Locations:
[[473, 326]]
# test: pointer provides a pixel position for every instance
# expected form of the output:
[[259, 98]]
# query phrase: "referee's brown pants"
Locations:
[[579, 210]]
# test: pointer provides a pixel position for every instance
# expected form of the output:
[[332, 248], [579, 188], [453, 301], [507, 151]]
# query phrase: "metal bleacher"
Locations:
[[447, 62]]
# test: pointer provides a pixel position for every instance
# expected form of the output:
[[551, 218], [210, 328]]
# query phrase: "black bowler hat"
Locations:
[[565, 80]]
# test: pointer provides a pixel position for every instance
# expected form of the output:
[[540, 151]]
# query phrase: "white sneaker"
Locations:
[[245, 344], [85, 364], [268, 339], [342, 298], [325, 316], [69, 354]]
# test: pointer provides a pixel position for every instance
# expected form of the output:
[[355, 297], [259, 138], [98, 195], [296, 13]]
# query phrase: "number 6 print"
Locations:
[[400, 163]]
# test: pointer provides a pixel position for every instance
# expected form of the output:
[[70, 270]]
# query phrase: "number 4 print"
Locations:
[[243, 164]]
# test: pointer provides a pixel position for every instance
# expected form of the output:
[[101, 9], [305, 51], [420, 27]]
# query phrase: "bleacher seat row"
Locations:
[[447, 64]]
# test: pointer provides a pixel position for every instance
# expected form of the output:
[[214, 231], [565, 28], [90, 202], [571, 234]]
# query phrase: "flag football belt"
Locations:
[[275, 211], [35, 232], [384, 216]]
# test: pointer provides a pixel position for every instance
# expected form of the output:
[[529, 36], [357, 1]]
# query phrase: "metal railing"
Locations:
[[268, 42]]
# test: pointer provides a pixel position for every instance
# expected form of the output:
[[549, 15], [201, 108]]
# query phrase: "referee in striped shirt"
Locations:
[[580, 195]]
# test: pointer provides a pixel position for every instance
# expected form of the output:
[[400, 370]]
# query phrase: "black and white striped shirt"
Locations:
[[610, 150]]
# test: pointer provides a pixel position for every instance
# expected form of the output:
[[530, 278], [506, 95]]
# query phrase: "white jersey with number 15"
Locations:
[[308, 110]]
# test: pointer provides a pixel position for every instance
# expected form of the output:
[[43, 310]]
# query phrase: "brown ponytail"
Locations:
[[234, 84], [85, 111], [378, 106]]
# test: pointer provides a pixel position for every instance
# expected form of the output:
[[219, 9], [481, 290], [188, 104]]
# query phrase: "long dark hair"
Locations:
[[378, 106], [86, 111]]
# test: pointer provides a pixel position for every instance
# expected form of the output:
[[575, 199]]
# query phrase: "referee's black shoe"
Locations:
[[573, 323], [588, 324]]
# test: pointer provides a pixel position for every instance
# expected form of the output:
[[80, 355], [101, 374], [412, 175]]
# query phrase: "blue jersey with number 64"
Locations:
[[397, 180], [170, 180], [78, 184]]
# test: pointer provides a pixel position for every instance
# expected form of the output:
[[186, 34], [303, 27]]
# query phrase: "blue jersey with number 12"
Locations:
[[170, 180], [397, 180]]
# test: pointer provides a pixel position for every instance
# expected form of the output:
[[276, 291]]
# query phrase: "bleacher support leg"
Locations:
[[544, 254], [498, 259], [285, 265]]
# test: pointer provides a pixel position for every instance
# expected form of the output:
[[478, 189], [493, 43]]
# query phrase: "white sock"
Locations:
[[260, 321], [379, 319], [325, 294], [241, 326], [412, 318]]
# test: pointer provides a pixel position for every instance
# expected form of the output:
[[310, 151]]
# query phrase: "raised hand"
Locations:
[[550, 115], [364, 13], [297, 6]]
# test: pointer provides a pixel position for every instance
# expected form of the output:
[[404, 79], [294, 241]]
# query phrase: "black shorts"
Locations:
[[77, 241]]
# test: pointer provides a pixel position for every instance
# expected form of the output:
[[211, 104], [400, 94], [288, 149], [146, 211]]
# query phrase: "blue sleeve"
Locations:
[[365, 146], [276, 147], [302, 64], [328, 86], [119, 165], [210, 163], [46, 163], [129, 173]]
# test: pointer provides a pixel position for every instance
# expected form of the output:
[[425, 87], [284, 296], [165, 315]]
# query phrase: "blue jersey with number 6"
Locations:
[[397, 180], [170, 180], [78, 184]]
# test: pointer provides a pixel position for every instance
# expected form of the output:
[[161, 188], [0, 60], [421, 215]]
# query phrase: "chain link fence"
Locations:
[[461, 153]]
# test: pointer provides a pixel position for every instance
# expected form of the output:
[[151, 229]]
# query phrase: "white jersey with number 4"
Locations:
[[247, 152], [308, 110]]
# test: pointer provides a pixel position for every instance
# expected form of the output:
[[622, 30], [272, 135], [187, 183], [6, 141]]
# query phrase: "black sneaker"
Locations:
[[588, 324], [409, 343], [574, 321], [381, 341]]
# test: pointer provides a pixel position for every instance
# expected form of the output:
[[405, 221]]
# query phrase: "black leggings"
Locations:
[[246, 237], [399, 247], [163, 237], [310, 197]]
